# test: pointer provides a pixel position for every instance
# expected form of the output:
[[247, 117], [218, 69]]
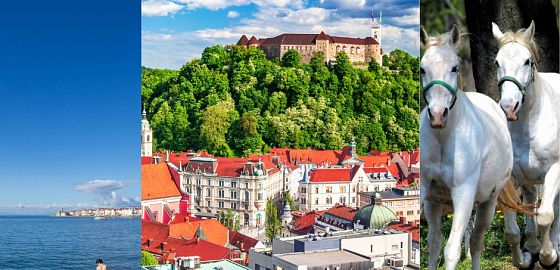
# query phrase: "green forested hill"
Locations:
[[233, 101]]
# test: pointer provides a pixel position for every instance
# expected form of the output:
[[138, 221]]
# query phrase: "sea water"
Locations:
[[45, 242]]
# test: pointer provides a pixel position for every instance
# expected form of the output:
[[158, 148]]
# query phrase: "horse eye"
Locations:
[[454, 69], [527, 62], [422, 71]]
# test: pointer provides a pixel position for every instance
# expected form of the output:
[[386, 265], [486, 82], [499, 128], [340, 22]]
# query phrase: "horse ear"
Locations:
[[455, 35], [424, 38], [530, 32], [496, 31]]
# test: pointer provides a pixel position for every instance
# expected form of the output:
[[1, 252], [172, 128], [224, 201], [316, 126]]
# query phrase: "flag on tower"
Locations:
[[372, 16]]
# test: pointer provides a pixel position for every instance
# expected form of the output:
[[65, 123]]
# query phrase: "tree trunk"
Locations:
[[510, 15]]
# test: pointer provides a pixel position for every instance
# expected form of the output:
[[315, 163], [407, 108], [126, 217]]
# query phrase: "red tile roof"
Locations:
[[243, 41], [330, 175], [206, 250], [253, 40], [413, 230], [213, 229], [182, 218], [146, 160], [310, 39], [157, 182], [304, 224], [343, 212], [241, 241]]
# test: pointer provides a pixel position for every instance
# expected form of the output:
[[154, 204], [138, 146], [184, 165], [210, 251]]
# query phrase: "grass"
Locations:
[[502, 263]]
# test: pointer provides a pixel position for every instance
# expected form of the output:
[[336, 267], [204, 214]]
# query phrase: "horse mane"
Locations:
[[518, 38], [437, 40]]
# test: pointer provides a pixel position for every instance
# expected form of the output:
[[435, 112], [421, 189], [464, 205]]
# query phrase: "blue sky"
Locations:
[[69, 104], [175, 31]]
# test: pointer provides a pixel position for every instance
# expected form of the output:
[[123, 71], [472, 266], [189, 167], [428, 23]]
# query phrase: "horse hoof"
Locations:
[[549, 267], [534, 259]]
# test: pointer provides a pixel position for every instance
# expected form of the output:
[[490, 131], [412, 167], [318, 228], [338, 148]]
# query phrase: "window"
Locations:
[[353, 199], [317, 190], [342, 189], [221, 193], [209, 192], [148, 138], [303, 201], [233, 184], [316, 200], [260, 186], [351, 50], [303, 190], [401, 244], [329, 189], [410, 213], [246, 195], [247, 185], [233, 194], [198, 182], [399, 213], [221, 183], [354, 189], [358, 50], [208, 203], [329, 200], [234, 206], [371, 248], [342, 200], [259, 196], [188, 181], [209, 182], [221, 204]]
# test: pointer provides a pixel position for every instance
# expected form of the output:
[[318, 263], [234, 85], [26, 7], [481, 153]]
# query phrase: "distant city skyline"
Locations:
[[176, 31], [70, 105]]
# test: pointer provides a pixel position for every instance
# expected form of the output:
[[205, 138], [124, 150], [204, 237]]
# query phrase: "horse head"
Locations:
[[515, 63], [439, 72]]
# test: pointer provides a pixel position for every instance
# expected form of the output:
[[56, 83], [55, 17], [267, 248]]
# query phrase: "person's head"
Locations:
[[99, 261]]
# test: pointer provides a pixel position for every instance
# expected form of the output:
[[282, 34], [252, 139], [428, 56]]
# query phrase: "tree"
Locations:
[[291, 59], [273, 225], [290, 201], [147, 259], [216, 121], [509, 15]]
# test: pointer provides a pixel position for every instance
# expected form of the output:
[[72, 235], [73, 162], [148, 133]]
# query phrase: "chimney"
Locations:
[[242, 245]]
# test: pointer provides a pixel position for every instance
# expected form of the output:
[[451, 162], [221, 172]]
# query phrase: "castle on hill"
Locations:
[[359, 50]]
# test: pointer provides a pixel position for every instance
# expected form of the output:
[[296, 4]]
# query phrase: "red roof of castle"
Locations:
[[309, 39], [157, 182], [243, 40], [253, 40]]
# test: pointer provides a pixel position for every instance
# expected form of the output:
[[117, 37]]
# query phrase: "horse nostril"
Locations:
[[516, 105], [430, 115]]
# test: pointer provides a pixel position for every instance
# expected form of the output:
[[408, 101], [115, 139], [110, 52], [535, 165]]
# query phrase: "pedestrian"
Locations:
[[101, 265]]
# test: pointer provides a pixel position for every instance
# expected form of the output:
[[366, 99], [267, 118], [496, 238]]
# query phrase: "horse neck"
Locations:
[[535, 98]]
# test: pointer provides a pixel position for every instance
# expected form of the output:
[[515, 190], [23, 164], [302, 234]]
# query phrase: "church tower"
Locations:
[[146, 136]]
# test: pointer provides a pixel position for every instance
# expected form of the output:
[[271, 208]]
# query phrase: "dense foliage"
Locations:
[[234, 102], [147, 258]]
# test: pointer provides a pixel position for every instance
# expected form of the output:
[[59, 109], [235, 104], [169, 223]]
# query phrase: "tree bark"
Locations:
[[510, 15]]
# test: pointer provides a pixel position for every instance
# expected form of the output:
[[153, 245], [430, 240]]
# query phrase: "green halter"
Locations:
[[447, 86], [522, 88]]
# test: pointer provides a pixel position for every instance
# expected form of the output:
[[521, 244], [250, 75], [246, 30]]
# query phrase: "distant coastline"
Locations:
[[126, 212]]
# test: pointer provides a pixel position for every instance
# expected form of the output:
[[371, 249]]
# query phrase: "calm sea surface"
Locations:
[[42, 242]]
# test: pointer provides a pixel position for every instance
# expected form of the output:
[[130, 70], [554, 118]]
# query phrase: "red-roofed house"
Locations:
[[321, 188], [161, 198]]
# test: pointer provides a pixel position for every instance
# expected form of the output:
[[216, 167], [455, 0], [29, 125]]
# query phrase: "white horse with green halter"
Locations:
[[466, 152], [531, 102]]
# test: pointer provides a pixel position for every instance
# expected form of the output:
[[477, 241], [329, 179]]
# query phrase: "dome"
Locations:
[[374, 216]]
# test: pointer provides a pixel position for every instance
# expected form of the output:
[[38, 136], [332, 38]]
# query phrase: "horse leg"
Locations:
[[463, 199], [548, 256], [433, 213], [484, 215], [530, 197], [555, 233], [521, 260]]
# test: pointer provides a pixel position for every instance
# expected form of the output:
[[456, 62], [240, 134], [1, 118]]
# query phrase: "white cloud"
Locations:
[[222, 4], [411, 18], [232, 14], [344, 4], [106, 190], [100, 186], [159, 8]]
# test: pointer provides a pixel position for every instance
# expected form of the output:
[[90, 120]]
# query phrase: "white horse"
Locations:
[[466, 152], [531, 102]]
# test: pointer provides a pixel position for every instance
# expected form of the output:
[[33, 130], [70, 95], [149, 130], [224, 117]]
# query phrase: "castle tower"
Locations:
[[286, 215], [146, 136], [376, 27]]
